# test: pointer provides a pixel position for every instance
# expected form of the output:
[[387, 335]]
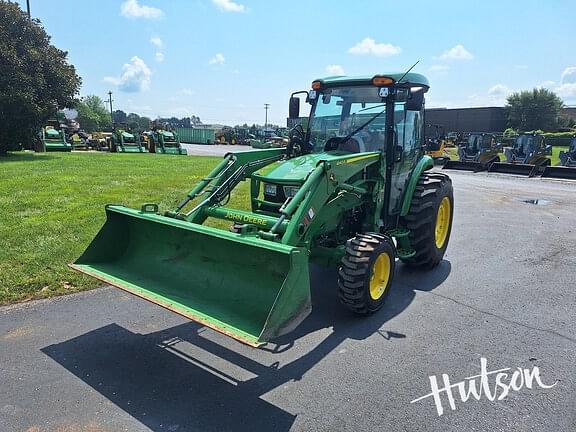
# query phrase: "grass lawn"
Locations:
[[555, 158], [52, 205]]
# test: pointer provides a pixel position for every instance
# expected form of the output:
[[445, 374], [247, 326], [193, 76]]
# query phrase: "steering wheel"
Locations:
[[296, 138], [338, 143]]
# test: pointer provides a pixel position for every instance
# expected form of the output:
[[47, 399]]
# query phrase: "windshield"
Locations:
[[341, 110], [479, 141], [528, 143]]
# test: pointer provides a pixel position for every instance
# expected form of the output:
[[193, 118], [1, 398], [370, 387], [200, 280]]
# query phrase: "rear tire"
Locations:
[[366, 273], [430, 219]]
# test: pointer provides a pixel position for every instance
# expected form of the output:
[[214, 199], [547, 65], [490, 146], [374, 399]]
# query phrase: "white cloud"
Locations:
[[135, 77], [229, 6], [521, 66], [132, 9], [567, 90], [217, 59], [567, 87], [335, 69], [569, 75], [438, 68], [368, 46], [159, 56], [457, 53], [188, 92], [156, 41], [547, 84], [499, 90]]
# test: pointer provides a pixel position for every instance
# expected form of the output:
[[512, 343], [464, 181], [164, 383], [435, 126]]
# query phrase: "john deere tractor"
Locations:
[[357, 195], [165, 142], [566, 169], [477, 154], [54, 138], [528, 156], [124, 141]]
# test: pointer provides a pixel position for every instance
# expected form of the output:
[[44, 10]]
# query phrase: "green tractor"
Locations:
[[54, 138], [528, 156], [357, 196], [165, 142], [480, 151], [124, 141]]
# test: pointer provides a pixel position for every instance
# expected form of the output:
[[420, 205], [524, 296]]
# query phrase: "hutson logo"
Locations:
[[493, 385]]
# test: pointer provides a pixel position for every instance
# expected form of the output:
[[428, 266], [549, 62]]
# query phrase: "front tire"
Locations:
[[430, 219], [366, 273]]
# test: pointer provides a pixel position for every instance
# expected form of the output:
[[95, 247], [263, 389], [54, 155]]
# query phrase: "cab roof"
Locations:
[[413, 78]]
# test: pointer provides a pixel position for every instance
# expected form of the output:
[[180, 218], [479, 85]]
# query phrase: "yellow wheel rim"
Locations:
[[380, 276], [442, 222]]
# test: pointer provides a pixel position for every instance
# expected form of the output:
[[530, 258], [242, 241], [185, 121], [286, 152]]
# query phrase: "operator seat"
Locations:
[[353, 145]]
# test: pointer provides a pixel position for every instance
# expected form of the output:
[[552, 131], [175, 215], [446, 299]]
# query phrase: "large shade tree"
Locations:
[[35, 78], [534, 109]]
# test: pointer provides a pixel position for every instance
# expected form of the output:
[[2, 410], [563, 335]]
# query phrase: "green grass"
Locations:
[[555, 158], [52, 205]]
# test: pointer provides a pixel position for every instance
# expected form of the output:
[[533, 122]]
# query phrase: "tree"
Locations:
[[133, 121], [92, 114], [533, 109], [120, 116], [35, 78]]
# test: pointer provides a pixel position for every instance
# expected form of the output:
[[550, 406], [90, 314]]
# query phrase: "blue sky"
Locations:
[[223, 59]]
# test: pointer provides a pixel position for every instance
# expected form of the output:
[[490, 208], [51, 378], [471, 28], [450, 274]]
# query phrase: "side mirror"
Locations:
[[415, 101], [294, 108]]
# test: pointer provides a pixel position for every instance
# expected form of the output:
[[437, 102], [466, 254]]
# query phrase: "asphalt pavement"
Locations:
[[106, 361]]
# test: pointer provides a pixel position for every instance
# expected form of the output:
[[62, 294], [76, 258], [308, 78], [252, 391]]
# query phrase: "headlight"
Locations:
[[290, 191], [270, 189]]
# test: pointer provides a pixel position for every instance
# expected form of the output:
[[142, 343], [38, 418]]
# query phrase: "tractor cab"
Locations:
[[526, 147], [349, 116]]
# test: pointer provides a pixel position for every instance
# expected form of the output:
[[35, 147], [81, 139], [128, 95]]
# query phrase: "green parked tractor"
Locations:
[[53, 137], [123, 141], [353, 190], [165, 142]]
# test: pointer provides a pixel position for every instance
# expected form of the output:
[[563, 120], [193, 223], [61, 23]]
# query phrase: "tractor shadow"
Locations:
[[25, 157], [166, 387]]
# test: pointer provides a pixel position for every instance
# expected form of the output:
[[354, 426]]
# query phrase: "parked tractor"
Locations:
[[436, 145], [357, 196], [54, 138], [123, 141], [528, 156], [165, 142], [477, 154], [567, 166], [99, 141]]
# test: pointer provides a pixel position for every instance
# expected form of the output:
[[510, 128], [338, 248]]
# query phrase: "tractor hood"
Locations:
[[297, 169]]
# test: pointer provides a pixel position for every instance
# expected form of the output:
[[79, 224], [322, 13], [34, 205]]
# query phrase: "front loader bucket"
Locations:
[[245, 287], [465, 166], [560, 172], [513, 168]]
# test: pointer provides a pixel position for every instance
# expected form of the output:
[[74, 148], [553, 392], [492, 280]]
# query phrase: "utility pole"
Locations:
[[266, 106], [28, 7], [110, 102]]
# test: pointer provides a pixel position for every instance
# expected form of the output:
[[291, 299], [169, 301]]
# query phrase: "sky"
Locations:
[[222, 60]]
